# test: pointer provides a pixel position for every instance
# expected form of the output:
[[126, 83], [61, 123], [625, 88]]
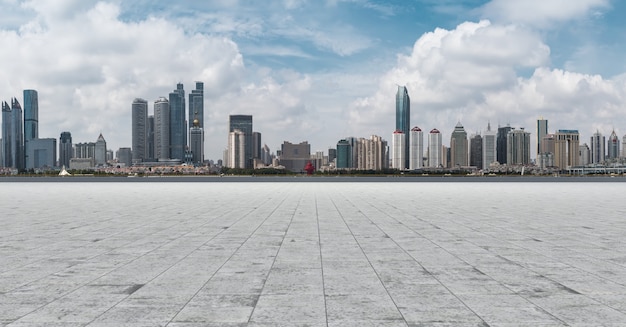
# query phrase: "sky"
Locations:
[[319, 70]]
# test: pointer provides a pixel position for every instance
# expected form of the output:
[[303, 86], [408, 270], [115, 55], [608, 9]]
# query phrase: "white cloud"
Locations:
[[540, 13]]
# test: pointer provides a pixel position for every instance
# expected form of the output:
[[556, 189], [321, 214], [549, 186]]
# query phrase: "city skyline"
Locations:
[[294, 64]]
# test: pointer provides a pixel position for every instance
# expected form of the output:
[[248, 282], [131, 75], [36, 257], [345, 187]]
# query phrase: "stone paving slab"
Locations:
[[312, 254]]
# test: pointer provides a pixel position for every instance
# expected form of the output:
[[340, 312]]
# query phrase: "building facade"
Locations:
[[236, 149], [31, 123], [434, 149], [566, 147], [295, 156], [501, 144], [162, 129], [597, 148], [489, 147], [65, 149], [398, 159], [344, 155], [476, 151], [243, 123], [42, 153], [100, 154], [613, 146], [518, 147], [542, 130], [416, 152], [458, 147]]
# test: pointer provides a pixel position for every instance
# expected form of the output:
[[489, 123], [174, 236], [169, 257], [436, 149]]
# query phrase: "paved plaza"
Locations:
[[312, 254]]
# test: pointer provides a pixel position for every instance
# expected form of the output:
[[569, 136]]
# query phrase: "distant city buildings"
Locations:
[[403, 123], [458, 147], [435, 149]]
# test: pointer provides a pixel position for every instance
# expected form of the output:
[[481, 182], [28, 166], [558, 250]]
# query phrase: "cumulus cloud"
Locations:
[[473, 73]]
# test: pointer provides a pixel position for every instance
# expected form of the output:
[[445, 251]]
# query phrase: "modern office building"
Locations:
[[31, 122], [398, 160], [41, 153], [196, 143], [139, 130], [566, 147], [178, 127], [266, 155], [13, 135], [243, 123], [476, 151], [434, 149], [65, 149], [613, 146], [124, 157], [162, 129], [584, 154], [403, 117], [100, 154], [236, 149], [597, 147], [344, 155], [489, 147], [196, 113], [501, 144], [518, 147], [416, 151], [458, 147], [295, 156], [542, 130], [256, 145]]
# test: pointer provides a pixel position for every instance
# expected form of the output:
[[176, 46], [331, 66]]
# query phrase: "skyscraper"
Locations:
[[597, 147], [65, 149], [398, 161], [100, 154], [489, 147], [31, 121], [403, 118], [501, 145], [476, 151], [344, 155], [244, 124], [196, 113], [139, 130], [566, 147], [236, 149], [162, 128], [542, 130], [7, 135], [458, 146], [584, 154], [14, 144], [178, 129], [256, 145], [518, 147], [417, 148], [196, 142], [613, 146], [434, 149]]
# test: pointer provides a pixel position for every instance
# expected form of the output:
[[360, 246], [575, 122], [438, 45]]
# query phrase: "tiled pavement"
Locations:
[[312, 254]]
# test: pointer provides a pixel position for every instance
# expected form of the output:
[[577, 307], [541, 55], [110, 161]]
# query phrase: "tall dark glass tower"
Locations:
[[501, 144], [65, 149], [244, 124], [403, 117], [6, 135], [17, 136], [178, 130], [31, 115]]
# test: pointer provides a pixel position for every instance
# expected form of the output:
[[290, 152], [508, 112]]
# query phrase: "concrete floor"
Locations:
[[309, 254]]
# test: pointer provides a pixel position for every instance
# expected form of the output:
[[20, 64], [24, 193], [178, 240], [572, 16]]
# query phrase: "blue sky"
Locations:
[[319, 70]]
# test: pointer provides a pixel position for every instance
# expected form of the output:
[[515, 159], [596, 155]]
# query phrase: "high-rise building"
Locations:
[[476, 151], [162, 129], [139, 130], [256, 145], [371, 153], [150, 149], [178, 129], [236, 149], [7, 136], [489, 147], [613, 146], [344, 155], [584, 154], [416, 151], [458, 147], [31, 122], [295, 156], [196, 142], [398, 160], [624, 146], [100, 154], [13, 135], [566, 147], [434, 149], [597, 147], [547, 143], [124, 157], [41, 153], [542, 130], [403, 119], [196, 112], [85, 151], [65, 149], [501, 144], [266, 155], [243, 123], [518, 147]]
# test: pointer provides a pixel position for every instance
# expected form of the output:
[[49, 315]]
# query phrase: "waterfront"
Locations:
[[372, 253]]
